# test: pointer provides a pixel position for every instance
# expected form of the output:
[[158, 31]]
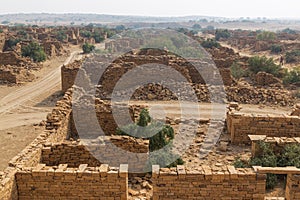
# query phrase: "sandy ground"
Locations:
[[22, 106]]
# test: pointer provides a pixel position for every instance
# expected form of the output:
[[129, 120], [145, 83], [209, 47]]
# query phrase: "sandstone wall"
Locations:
[[89, 112], [111, 149], [177, 183], [241, 125], [11, 58], [292, 187], [7, 76], [68, 75], [277, 143], [2, 41], [31, 155], [100, 182], [8, 186]]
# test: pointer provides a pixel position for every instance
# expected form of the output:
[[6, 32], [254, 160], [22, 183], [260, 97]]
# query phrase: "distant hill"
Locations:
[[42, 19]]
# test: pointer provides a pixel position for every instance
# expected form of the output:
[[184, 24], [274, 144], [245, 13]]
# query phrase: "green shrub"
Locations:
[[98, 37], [296, 94], [86, 34], [271, 181], [210, 43], [11, 43], [276, 48], [290, 156], [264, 64], [237, 71], [88, 48], [266, 35], [289, 31], [292, 56], [292, 76], [266, 158], [61, 36], [163, 137], [238, 163], [222, 33], [34, 51]]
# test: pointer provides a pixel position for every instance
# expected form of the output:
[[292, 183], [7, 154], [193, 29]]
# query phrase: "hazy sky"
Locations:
[[224, 8]]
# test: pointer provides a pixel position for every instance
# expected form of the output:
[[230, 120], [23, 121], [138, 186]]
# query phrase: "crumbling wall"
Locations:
[[11, 58], [89, 112], [265, 79], [178, 183], [2, 41], [102, 182], [68, 74], [8, 186], [292, 191], [276, 143], [241, 125], [76, 153]]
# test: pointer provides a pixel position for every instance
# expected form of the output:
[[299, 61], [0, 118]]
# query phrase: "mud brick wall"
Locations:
[[83, 123], [292, 187], [11, 58], [8, 187], [101, 182], [68, 75], [2, 41], [178, 183], [277, 143], [241, 125], [113, 150], [7, 76]]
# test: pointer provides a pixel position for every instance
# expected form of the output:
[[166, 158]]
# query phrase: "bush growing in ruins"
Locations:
[[11, 43], [275, 48], [289, 31], [266, 35], [264, 64], [210, 43], [164, 136], [88, 48], [222, 33], [292, 76], [266, 158], [292, 56], [290, 156], [34, 51], [237, 71], [61, 36]]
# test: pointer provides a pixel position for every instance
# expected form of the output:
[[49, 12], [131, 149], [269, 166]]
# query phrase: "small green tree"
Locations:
[[292, 76], [88, 48], [222, 33], [237, 71], [163, 137], [266, 158], [210, 43], [34, 51], [266, 35], [61, 36], [276, 48], [11, 43], [290, 156], [264, 64], [292, 56]]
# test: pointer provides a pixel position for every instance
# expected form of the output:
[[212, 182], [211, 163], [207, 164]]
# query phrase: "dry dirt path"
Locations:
[[21, 106], [15, 108]]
